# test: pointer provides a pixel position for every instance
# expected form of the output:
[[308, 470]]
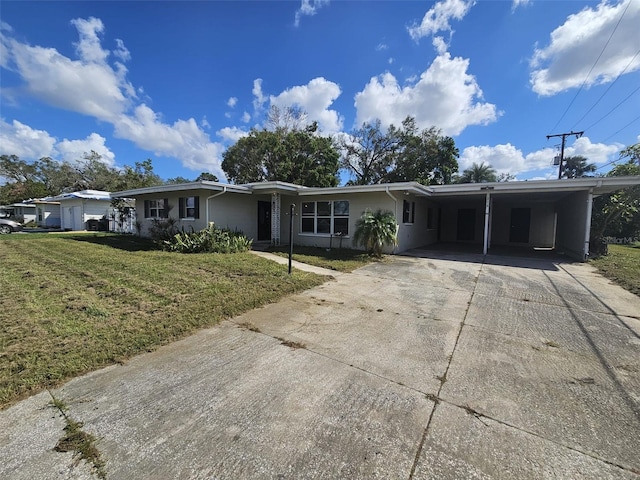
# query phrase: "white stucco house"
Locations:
[[549, 214], [77, 208]]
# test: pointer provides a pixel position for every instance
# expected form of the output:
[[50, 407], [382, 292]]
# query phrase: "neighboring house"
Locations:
[[47, 212], [550, 214], [78, 208], [25, 212]]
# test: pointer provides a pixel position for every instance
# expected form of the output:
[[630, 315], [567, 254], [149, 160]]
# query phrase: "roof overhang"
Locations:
[[181, 187], [414, 188]]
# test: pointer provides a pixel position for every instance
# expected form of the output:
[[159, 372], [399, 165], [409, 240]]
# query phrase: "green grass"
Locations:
[[339, 259], [74, 303], [622, 265]]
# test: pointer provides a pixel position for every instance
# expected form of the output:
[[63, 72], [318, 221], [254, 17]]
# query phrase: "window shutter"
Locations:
[[165, 212], [147, 213], [413, 212], [181, 209], [196, 204]]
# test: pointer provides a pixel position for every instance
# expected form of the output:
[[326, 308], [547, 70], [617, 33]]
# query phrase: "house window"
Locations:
[[325, 218], [408, 211], [156, 208], [189, 207]]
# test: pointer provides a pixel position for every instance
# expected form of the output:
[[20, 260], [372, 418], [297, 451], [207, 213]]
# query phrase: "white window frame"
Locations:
[[315, 217], [156, 211], [411, 213]]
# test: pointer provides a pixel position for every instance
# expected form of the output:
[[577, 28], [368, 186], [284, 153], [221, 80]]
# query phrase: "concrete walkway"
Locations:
[[429, 366]]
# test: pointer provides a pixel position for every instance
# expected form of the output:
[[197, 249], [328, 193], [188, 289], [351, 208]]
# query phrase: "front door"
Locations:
[[520, 224], [466, 224], [264, 221]]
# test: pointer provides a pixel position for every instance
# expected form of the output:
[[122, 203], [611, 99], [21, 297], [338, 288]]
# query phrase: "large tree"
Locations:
[[399, 154], [617, 214], [298, 156], [48, 177], [478, 174], [577, 167]]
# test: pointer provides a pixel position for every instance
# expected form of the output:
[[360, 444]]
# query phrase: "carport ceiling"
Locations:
[[528, 197]]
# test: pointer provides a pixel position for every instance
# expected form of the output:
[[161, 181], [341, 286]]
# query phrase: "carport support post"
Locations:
[[487, 203], [291, 212]]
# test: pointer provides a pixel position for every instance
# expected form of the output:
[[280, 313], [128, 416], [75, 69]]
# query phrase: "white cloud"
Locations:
[[519, 3], [204, 123], [314, 98], [438, 17], [576, 44], [309, 8], [509, 159], [19, 139], [29, 143], [445, 96], [92, 86], [232, 102], [258, 97], [232, 134], [183, 139], [74, 150], [382, 47], [246, 117], [593, 152]]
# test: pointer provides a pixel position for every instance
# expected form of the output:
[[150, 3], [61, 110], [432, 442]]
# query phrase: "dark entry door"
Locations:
[[520, 224], [264, 221], [466, 224]]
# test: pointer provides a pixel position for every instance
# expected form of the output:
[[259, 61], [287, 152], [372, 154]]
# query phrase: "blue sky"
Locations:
[[178, 82]]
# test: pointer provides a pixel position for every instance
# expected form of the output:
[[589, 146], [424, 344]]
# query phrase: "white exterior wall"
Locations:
[[572, 224], [75, 212], [236, 211], [50, 215], [449, 223]]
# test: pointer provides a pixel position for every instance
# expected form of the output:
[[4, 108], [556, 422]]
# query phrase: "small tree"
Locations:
[[376, 229]]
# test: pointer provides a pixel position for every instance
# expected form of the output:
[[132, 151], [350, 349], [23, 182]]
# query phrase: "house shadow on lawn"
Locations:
[[129, 243]]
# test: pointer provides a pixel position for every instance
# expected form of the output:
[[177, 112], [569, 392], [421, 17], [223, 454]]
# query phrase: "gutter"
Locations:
[[224, 190]]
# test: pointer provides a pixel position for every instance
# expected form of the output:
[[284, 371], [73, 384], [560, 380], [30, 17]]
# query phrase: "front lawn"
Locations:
[[339, 259], [74, 303], [622, 265]]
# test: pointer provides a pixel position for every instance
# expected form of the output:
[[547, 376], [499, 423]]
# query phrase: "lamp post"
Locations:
[[291, 213]]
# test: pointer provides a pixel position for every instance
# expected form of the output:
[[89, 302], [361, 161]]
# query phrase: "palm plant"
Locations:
[[577, 167], [376, 229], [478, 174]]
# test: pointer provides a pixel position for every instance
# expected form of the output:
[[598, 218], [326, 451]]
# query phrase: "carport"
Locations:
[[537, 215]]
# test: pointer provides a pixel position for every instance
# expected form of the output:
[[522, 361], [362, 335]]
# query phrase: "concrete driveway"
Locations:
[[424, 366]]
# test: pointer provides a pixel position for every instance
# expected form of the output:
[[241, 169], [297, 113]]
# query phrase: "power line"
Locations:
[[607, 90], [615, 133], [593, 66], [564, 137], [612, 110]]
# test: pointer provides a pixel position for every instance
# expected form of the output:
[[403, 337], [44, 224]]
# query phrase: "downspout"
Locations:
[[587, 233], [395, 201], [487, 203], [224, 190]]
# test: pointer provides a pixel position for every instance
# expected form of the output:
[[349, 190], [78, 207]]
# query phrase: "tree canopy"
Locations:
[[399, 154], [577, 167], [289, 154], [478, 174], [48, 177]]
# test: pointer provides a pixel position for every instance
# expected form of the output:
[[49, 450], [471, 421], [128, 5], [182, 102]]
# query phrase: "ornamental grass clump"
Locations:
[[376, 229], [209, 240]]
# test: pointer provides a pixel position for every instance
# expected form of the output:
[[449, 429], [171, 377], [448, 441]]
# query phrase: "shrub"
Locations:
[[210, 240], [376, 229], [162, 229]]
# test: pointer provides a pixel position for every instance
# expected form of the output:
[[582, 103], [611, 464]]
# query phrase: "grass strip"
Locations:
[[339, 259], [621, 265]]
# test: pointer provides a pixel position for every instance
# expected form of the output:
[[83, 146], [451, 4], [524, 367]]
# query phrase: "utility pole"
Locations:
[[564, 136]]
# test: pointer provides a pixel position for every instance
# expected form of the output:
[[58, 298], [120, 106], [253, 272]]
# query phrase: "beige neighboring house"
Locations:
[[78, 208], [47, 212], [544, 214]]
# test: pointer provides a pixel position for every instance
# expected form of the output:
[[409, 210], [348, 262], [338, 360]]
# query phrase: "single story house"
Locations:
[[549, 214], [25, 212], [47, 212], [78, 208]]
